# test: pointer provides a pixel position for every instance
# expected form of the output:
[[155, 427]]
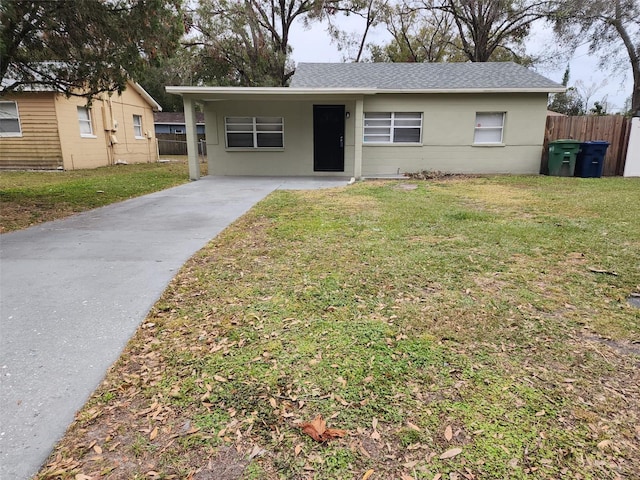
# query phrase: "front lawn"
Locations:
[[29, 198], [471, 328]]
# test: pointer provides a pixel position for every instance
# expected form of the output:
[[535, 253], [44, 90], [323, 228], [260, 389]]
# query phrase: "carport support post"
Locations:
[[192, 137], [357, 160]]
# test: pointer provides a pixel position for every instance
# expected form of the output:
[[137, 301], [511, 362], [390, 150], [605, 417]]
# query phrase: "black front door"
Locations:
[[328, 138]]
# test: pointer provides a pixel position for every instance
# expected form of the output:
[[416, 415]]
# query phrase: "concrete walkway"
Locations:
[[73, 291]]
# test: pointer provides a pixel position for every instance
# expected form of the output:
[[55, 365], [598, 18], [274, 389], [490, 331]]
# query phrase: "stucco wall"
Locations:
[[448, 132], [296, 158], [447, 136]]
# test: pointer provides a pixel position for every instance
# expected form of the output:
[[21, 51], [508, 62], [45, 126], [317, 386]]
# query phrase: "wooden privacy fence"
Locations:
[[176, 144], [611, 128]]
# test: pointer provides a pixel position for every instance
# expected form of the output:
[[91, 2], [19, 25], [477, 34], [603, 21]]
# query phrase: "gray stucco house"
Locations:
[[375, 119]]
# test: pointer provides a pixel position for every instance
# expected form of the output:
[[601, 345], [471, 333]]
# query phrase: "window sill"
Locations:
[[140, 138], [258, 149], [391, 144], [13, 135], [88, 136], [488, 145]]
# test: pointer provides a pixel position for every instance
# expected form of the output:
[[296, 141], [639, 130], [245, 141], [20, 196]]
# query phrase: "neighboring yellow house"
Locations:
[[44, 130]]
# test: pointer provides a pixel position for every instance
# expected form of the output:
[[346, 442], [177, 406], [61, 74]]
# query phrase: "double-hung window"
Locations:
[[84, 120], [254, 132], [137, 126], [392, 127], [9, 120], [489, 128]]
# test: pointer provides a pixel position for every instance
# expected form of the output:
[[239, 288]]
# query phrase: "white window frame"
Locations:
[[255, 126], [137, 127], [394, 123], [5, 115], [479, 128], [85, 121]]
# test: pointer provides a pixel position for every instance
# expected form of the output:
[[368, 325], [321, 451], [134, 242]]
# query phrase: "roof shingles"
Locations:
[[419, 76]]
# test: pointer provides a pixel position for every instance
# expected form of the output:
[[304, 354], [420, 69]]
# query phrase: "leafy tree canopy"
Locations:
[[83, 47]]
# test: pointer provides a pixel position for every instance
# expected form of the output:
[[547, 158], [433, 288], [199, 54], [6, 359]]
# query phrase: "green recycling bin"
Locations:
[[562, 157]]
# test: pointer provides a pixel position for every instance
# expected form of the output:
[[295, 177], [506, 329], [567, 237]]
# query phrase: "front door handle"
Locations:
[[341, 141]]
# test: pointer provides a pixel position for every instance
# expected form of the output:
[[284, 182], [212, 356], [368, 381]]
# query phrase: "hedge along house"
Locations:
[[375, 119], [42, 129]]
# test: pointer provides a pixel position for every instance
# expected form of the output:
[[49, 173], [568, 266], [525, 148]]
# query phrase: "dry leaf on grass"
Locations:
[[367, 474], [448, 433], [450, 453], [317, 429]]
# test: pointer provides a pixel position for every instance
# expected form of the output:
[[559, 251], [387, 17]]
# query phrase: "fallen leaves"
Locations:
[[448, 433], [317, 429], [450, 453]]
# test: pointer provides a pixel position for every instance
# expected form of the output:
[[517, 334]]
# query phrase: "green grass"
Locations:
[[461, 314], [29, 198]]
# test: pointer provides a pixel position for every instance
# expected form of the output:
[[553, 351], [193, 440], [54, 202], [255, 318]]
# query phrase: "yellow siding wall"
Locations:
[[78, 151], [85, 152], [39, 145], [130, 149]]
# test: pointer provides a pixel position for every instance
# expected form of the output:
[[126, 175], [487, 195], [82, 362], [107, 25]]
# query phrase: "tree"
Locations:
[[485, 27], [599, 108], [569, 102], [418, 35], [247, 42], [179, 69], [607, 24], [83, 47], [372, 12]]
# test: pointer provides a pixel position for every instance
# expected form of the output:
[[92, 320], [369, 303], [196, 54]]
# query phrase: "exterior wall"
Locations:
[[106, 113], [448, 131], [81, 152], [129, 148], [51, 136], [39, 145], [447, 135], [296, 158]]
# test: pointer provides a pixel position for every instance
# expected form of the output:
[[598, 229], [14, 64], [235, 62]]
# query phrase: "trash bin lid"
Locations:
[[565, 141], [597, 142]]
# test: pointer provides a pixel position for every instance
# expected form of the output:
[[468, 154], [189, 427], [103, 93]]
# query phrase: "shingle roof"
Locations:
[[419, 76]]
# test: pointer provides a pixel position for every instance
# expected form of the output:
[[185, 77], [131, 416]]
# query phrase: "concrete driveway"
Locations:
[[73, 291]]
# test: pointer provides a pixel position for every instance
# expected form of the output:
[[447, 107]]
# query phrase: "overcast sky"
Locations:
[[314, 45]]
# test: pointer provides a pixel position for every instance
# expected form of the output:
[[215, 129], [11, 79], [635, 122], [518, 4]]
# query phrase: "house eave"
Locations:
[[155, 106], [230, 92]]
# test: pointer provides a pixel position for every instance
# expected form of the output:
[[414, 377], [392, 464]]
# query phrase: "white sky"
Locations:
[[314, 45]]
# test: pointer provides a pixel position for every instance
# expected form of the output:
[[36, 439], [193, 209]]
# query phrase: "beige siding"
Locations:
[[112, 119], [447, 136], [78, 151], [129, 148], [39, 145], [296, 158]]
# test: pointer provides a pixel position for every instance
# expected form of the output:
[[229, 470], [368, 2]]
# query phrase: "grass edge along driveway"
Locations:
[[31, 198], [461, 329]]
